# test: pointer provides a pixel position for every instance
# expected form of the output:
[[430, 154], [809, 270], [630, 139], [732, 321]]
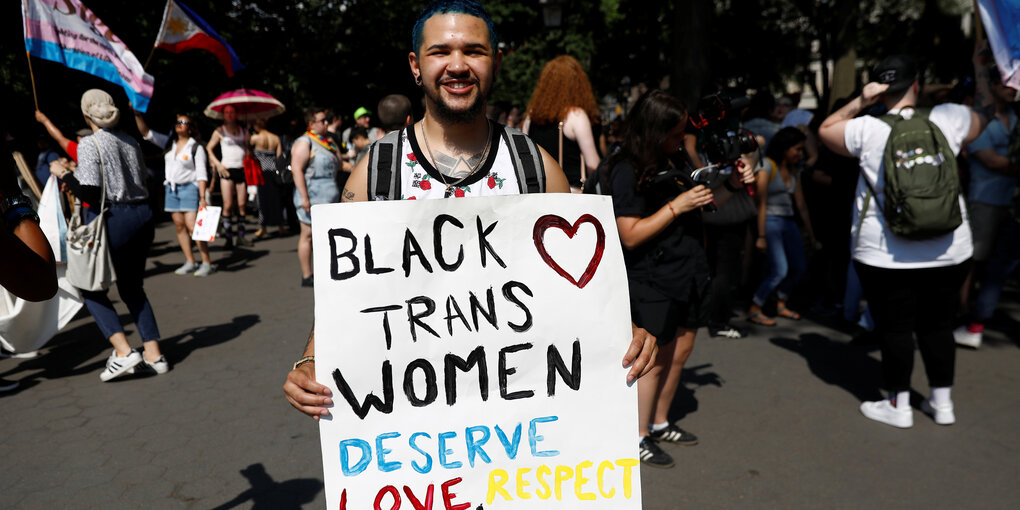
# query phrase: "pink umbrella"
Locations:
[[250, 105]]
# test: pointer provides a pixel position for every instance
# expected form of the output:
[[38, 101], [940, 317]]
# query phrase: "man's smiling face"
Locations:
[[457, 65]]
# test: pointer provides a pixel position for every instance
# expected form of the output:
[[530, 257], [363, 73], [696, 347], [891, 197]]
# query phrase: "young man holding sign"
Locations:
[[461, 153], [512, 440]]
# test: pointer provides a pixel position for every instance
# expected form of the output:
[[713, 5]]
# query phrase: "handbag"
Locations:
[[253, 172], [89, 265], [738, 209]]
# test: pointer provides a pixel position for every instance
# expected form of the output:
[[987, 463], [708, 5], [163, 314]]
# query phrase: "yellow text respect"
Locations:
[[605, 475]]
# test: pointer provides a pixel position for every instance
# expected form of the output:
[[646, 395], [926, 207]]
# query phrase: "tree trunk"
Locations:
[[690, 47], [844, 67], [844, 76]]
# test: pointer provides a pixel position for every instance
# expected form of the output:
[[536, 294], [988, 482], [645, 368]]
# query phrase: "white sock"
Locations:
[[940, 396], [660, 426], [901, 400]]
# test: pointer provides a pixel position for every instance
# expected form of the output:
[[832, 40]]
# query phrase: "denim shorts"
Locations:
[[320, 191], [182, 199]]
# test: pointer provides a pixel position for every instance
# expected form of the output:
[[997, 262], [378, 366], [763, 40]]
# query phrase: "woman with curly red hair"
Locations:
[[564, 96]]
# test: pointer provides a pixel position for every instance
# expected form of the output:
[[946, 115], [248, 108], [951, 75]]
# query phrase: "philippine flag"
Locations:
[[183, 30]]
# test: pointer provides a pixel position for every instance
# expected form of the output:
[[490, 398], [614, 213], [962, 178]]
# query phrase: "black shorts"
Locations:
[[236, 175], [661, 316]]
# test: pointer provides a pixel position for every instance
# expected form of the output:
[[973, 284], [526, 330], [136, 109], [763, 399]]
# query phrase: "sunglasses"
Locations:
[[183, 122]]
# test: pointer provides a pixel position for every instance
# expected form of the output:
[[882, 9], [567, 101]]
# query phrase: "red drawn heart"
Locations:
[[551, 220], [200, 223]]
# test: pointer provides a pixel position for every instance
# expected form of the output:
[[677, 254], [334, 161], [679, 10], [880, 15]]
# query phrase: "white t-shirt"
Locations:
[[875, 245]]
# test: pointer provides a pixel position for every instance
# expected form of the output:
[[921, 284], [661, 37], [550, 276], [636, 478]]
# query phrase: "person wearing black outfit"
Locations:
[[726, 236], [661, 232]]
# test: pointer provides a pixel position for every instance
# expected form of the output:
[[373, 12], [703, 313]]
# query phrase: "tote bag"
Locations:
[[89, 265]]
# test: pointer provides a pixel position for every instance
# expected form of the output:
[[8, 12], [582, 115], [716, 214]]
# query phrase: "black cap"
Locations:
[[897, 71]]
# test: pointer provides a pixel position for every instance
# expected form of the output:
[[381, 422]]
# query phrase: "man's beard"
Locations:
[[447, 114]]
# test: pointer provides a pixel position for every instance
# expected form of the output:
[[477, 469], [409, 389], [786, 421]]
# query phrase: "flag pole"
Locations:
[[31, 77], [146, 65], [28, 54], [159, 36], [978, 25]]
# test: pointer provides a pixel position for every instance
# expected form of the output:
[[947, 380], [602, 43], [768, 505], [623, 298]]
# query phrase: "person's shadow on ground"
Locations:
[[176, 348], [692, 378], [238, 259], [66, 355], [70, 351], [268, 494], [838, 363]]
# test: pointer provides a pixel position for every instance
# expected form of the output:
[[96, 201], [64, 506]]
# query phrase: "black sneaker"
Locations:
[[306, 281], [675, 435], [229, 243], [726, 331], [652, 455]]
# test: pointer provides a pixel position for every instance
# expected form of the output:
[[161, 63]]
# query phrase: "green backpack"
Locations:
[[922, 187]]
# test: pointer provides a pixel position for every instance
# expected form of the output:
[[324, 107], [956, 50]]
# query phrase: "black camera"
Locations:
[[721, 142], [680, 177]]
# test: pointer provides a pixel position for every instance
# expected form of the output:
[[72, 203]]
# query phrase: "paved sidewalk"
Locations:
[[776, 413]]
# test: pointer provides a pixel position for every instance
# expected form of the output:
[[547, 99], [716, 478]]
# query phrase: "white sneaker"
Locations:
[[205, 270], [160, 366], [117, 365], [942, 414], [188, 267], [883, 411], [19, 355], [964, 337]]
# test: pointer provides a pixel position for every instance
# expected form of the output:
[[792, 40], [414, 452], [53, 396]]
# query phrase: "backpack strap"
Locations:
[[383, 170], [527, 161]]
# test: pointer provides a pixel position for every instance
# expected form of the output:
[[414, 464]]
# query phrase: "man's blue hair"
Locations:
[[468, 7]]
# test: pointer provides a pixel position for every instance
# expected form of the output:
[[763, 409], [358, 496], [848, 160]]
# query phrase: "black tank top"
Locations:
[[547, 136]]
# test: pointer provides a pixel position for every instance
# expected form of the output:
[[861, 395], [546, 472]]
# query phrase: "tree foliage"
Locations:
[[349, 53]]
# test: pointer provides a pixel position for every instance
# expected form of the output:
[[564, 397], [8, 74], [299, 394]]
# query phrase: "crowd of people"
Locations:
[[725, 250]]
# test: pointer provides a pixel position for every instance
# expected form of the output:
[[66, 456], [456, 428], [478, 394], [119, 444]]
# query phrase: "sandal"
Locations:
[[760, 319], [785, 312]]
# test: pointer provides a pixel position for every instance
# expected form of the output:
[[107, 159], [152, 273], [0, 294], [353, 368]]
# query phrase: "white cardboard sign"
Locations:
[[206, 221], [474, 350]]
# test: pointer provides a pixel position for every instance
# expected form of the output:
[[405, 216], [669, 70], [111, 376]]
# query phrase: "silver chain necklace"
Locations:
[[477, 165]]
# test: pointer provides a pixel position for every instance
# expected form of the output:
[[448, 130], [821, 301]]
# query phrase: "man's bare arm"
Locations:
[[356, 188], [833, 129]]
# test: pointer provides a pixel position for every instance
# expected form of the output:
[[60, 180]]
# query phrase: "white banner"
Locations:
[[474, 350]]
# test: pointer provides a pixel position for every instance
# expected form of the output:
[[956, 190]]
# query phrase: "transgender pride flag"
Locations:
[[72, 35], [1001, 19], [184, 30]]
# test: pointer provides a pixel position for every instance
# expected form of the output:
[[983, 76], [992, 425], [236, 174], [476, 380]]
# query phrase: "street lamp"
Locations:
[[552, 12]]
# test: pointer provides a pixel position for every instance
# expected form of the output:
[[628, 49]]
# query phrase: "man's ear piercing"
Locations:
[[417, 80]]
